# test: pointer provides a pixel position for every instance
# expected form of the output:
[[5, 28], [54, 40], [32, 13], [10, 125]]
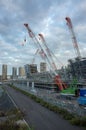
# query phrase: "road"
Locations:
[[37, 116]]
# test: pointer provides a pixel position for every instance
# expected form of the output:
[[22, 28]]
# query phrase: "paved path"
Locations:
[[38, 117]]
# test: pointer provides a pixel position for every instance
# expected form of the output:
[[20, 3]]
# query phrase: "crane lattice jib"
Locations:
[[48, 52], [37, 43], [33, 60], [32, 35], [57, 78], [75, 44]]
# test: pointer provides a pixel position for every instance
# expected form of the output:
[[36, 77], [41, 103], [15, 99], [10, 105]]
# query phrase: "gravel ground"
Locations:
[[67, 102]]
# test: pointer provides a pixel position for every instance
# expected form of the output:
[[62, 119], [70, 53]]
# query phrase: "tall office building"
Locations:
[[42, 67], [29, 69], [14, 72], [21, 71], [4, 72]]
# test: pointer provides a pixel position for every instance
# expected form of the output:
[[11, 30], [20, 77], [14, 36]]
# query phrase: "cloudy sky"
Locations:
[[43, 16]]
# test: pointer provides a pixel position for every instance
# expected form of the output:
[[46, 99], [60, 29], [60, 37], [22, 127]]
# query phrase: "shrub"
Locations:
[[79, 121]]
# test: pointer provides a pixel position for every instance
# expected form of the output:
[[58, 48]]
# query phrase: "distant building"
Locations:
[[21, 72], [43, 80], [42, 67], [0, 77], [30, 68], [4, 72], [14, 72], [9, 77], [77, 68]]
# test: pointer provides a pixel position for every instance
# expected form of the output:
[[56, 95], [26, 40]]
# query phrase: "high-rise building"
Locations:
[[14, 72], [42, 67], [21, 71], [77, 68], [4, 72], [29, 69]]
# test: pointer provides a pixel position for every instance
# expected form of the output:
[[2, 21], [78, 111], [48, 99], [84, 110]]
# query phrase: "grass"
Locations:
[[12, 125], [73, 119], [10, 118]]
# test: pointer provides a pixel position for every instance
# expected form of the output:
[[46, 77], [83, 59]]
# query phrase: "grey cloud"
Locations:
[[46, 16]]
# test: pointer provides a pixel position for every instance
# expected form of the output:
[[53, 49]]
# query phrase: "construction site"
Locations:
[[69, 82], [76, 67], [63, 88], [42, 65]]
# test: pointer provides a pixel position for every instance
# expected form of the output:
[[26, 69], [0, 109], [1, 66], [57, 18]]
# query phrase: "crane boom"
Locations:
[[33, 60], [58, 81], [57, 78], [48, 51], [75, 44], [38, 45]]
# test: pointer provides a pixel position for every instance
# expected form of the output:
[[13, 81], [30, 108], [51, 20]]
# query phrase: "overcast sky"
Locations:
[[43, 16]]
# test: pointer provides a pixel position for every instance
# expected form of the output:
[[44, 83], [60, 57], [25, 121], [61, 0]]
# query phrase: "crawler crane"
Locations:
[[46, 55]]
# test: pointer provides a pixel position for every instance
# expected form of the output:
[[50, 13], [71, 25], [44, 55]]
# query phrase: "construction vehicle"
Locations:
[[46, 54], [77, 51], [50, 56], [72, 89]]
